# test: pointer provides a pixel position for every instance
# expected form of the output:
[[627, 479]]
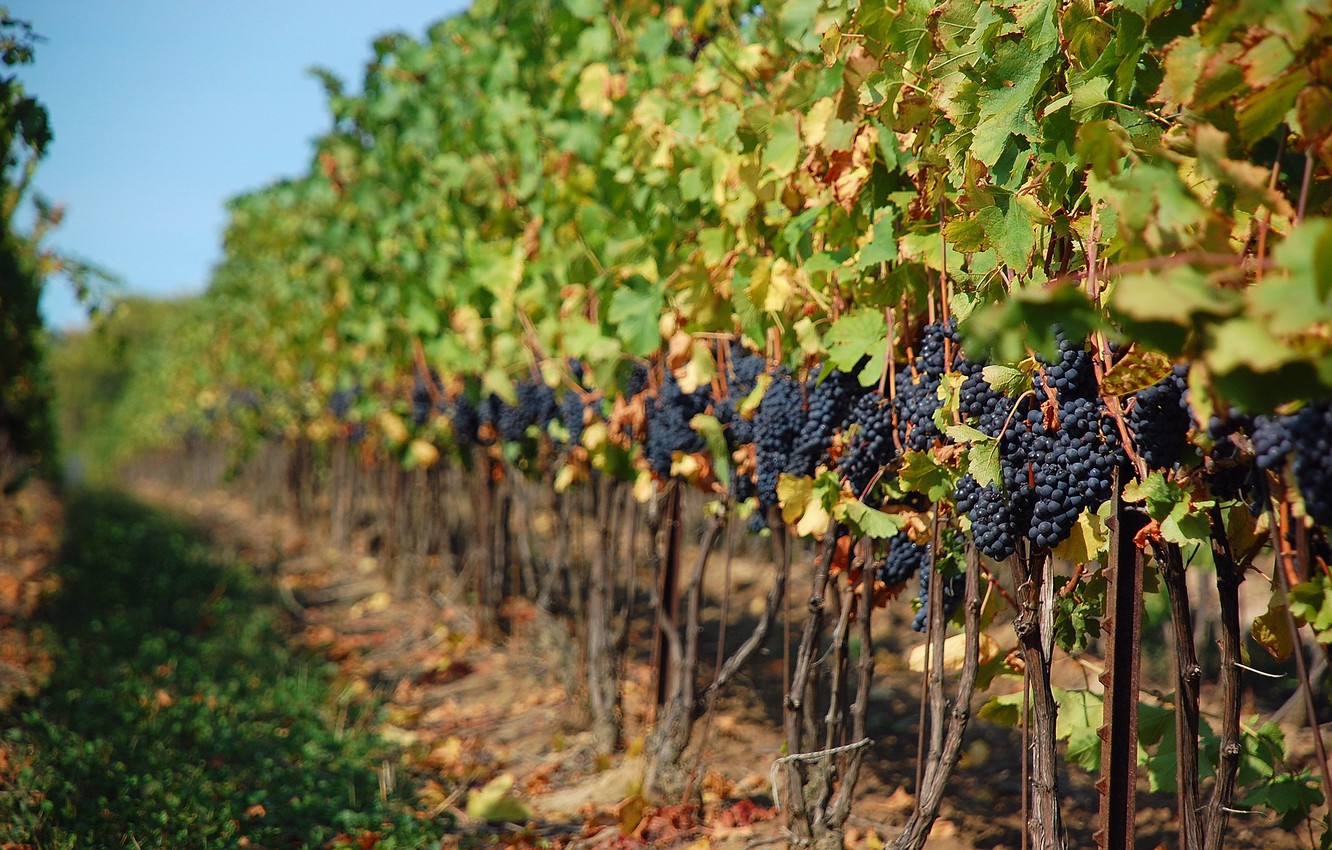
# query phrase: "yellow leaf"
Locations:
[[423, 454], [1271, 631], [793, 494], [643, 487], [1086, 542], [782, 285], [814, 521], [593, 85], [595, 435], [700, 370], [954, 653], [494, 804], [564, 479], [815, 126], [392, 426], [807, 334]]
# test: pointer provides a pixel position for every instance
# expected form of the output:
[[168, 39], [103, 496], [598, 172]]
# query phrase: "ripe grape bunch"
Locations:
[[1159, 419], [917, 399], [831, 404], [1311, 436], [904, 560], [743, 370], [536, 406], [780, 418], [668, 429], [465, 420], [573, 409], [422, 400], [1057, 456], [871, 445], [954, 586], [1307, 436]]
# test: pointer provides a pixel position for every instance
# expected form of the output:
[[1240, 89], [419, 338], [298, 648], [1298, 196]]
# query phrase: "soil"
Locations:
[[469, 713]]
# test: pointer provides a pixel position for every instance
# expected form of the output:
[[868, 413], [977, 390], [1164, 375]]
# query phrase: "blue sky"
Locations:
[[162, 109]]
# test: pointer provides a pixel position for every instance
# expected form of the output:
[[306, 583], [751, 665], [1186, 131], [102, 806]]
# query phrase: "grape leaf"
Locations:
[[1008, 380], [793, 494], [711, 430], [1086, 543], [882, 245], [863, 333], [922, 473], [493, 803], [1272, 632], [782, 151], [1137, 370], [867, 521], [635, 314]]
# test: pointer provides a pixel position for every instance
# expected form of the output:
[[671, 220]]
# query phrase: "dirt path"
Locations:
[[469, 713]]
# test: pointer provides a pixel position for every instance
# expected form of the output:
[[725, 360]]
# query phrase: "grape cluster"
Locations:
[[777, 424], [1159, 419], [1057, 457], [992, 525], [831, 404], [742, 373], [422, 398], [871, 445], [1272, 441], [917, 399], [1311, 436], [1305, 434], [980, 402], [1071, 466], [904, 560], [536, 406], [1228, 475], [637, 381], [341, 401], [954, 587], [573, 410], [668, 429], [465, 420]]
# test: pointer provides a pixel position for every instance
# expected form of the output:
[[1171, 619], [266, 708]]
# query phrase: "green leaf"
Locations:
[[1311, 603], [862, 333], [966, 234], [1160, 495], [882, 246], [1306, 255], [1244, 343], [983, 461], [1004, 710], [782, 151], [1007, 106], [1008, 380], [1102, 144], [1011, 230], [922, 473], [635, 314], [867, 521], [1174, 296], [711, 429], [1184, 525], [1293, 797]]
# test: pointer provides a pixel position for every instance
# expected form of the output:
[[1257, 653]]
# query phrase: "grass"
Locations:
[[179, 716]]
